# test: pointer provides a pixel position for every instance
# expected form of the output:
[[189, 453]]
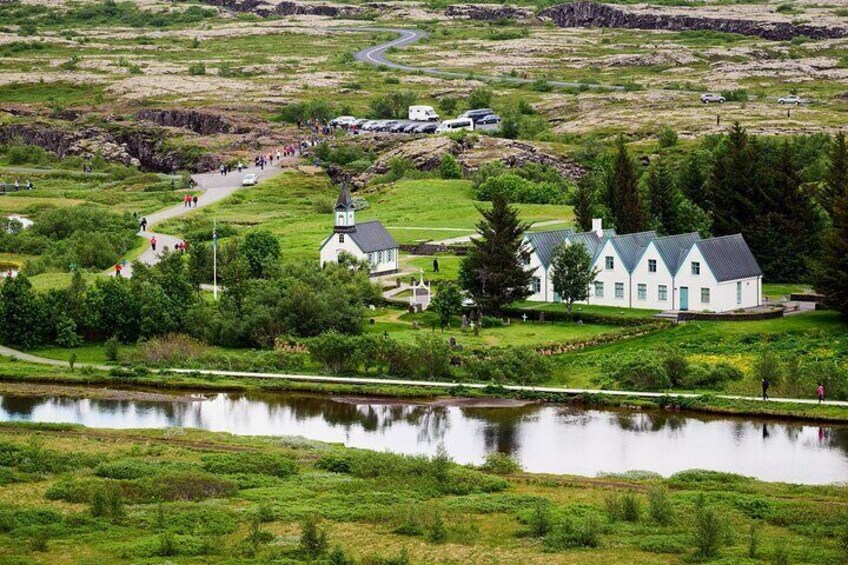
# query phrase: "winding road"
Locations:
[[376, 56]]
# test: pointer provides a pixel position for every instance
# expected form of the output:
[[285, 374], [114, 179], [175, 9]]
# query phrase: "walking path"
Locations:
[[467, 238], [215, 187], [15, 354]]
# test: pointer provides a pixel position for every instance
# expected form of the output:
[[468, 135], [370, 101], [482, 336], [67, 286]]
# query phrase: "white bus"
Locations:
[[455, 125]]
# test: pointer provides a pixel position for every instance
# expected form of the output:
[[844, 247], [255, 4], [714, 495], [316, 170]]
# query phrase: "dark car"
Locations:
[[386, 125], [398, 127], [478, 114], [426, 128], [410, 128], [491, 119]]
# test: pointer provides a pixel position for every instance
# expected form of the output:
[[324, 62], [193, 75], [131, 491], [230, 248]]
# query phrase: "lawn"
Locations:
[[589, 309], [188, 496]]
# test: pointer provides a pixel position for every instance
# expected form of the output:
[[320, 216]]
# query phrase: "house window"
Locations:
[[526, 259], [652, 265], [619, 290], [610, 262], [390, 255], [536, 285], [341, 238], [705, 296], [739, 293], [379, 257], [599, 289], [371, 258], [642, 291], [662, 293], [696, 268]]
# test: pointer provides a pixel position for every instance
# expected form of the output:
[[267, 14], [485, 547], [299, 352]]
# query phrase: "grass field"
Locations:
[[189, 496]]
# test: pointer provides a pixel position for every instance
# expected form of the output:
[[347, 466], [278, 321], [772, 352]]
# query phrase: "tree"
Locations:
[[832, 276], [447, 302], [663, 199], [493, 272], [623, 196], [449, 168], [572, 273], [22, 315], [692, 178], [261, 250], [480, 97], [836, 176], [585, 202], [734, 183]]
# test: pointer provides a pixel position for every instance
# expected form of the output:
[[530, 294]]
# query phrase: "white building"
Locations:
[[368, 241], [644, 270]]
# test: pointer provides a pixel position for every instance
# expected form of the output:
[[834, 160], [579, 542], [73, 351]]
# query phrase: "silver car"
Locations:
[[711, 97], [791, 99]]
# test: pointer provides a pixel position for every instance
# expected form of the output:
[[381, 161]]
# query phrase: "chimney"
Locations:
[[598, 227]]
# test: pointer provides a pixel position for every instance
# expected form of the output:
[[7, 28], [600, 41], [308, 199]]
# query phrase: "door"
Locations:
[[684, 297]]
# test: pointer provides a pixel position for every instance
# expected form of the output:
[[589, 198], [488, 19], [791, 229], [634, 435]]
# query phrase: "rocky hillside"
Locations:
[[593, 14]]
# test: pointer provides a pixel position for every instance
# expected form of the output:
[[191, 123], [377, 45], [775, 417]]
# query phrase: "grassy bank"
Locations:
[[85, 495]]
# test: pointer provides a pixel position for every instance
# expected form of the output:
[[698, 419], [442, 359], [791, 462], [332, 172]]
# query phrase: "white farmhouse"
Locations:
[[644, 270], [368, 241]]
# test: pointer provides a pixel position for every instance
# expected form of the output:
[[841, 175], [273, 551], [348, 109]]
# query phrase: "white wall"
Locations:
[[641, 274], [541, 273], [381, 262], [618, 274]]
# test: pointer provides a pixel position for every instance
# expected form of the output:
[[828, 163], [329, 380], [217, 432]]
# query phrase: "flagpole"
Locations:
[[215, 260]]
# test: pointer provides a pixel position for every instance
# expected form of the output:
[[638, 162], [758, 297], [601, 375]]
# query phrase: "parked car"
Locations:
[[250, 179], [477, 114], [455, 125], [491, 119], [398, 127], [343, 121], [426, 128], [410, 128], [423, 114], [711, 97], [791, 99], [360, 122], [386, 125]]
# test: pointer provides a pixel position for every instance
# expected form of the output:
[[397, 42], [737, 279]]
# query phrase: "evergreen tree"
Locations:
[[663, 199], [493, 272], [585, 202], [734, 182], [572, 273], [836, 176], [692, 178], [832, 280], [623, 196], [22, 314]]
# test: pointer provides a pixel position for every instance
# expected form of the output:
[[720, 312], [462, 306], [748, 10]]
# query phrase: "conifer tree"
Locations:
[[623, 196], [664, 199], [836, 176], [493, 272], [585, 202], [832, 280], [733, 185]]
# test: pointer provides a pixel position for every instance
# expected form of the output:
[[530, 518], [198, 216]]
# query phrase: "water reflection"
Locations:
[[545, 438]]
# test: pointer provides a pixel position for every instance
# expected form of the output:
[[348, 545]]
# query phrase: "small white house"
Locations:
[[644, 270], [367, 241]]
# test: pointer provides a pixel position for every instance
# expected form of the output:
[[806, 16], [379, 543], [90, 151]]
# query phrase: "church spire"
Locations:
[[344, 211]]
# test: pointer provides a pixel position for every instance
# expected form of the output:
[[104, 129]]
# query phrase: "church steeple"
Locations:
[[344, 211]]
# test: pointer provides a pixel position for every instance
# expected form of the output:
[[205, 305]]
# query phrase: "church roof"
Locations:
[[372, 236], [344, 202]]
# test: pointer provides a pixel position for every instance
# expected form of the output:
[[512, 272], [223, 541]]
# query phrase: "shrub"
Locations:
[[313, 540], [675, 365], [660, 508], [767, 366], [171, 348], [514, 365], [196, 69], [663, 544], [631, 507], [667, 137], [108, 502], [110, 348], [250, 463], [449, 168], [637, 374], [480, 97], [541, 521], [185, 485], [571, 533], [12, 518], [335, 351], [437, 532], [709, 532], [500, 464], [737, 95], [462, 481], [520, 190], [125, 469]]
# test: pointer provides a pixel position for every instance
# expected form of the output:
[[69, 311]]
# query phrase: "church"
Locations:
[[367, 241]]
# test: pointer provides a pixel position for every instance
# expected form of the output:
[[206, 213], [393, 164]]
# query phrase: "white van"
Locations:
[[423, 114], [455, 125]]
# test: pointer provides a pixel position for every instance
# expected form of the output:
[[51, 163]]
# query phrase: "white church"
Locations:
[[645, 270], [368, 241]]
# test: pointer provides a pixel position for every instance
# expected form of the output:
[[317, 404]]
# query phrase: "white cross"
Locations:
[[524, 317]]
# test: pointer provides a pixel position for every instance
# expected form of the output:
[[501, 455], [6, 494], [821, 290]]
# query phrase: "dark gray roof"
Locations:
[[591, 240], [372, 236], [344, 202], [729, 257], [672, 248], [543, 242], [631, 246]]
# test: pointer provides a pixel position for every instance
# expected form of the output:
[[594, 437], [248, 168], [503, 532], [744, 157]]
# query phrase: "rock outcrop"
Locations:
[[266, 8], [488, 13], [593, 14], [201, 122]]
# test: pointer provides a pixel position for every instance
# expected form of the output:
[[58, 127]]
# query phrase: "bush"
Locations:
[[667, 137], [249, 463], [186, 486], [541, 521], [480, 97], [663, 544], [126, 469], [500, 464], [709, 532], [108, 502], [572, 533], [463, 481], [313, 540], [676, 366], [12, 518], [335, 351], [631, 507], [514, 365], [520, 190], [171, 348], [196, 69], [449, 167], [110, 348], [660, 508], [637, 374]]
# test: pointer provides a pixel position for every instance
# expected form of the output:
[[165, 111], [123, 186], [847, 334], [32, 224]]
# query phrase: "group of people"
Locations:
[[4, 187], [819, 390], [189, 201]]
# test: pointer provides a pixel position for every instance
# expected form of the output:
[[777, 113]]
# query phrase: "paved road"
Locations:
[[13, 353], [215, 187], [376, 55]]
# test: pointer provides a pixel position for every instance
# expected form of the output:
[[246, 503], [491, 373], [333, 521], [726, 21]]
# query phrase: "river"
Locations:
[[543, 437]]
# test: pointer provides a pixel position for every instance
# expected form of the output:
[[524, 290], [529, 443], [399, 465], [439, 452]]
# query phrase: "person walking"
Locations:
[[435, 265], [194, 200], [765, 389], [821, 393], [239, 166], [118, 270], [144, 224], [153, 243]]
